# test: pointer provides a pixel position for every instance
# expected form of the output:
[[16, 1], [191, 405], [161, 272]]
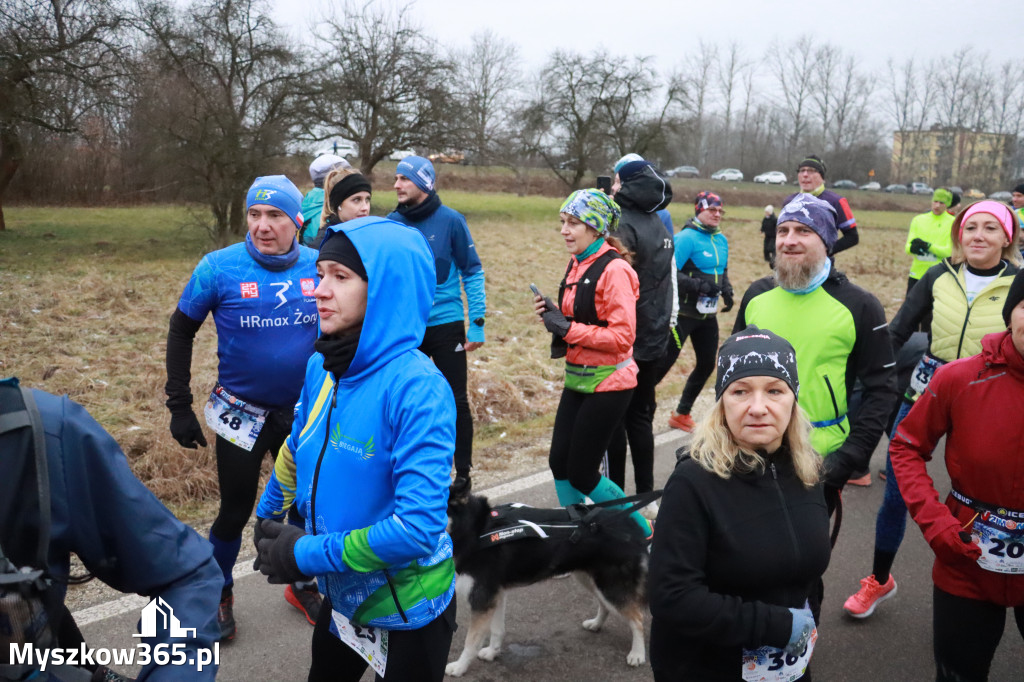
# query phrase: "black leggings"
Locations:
[[583, 427], [704, 337], [445, 345], [412, 654], [238, 474], [965, 635], [638, 424]]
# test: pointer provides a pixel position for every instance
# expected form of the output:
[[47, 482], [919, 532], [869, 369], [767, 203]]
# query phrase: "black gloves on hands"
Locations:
[[728, 300], [555, 322], [707, 288], [276, 558], [919, 247], [186, 430]]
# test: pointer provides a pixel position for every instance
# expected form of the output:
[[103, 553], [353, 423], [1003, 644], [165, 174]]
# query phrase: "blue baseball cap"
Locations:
[[279, 192]]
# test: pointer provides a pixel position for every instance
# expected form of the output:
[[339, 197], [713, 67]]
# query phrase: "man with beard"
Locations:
[[839, 333]]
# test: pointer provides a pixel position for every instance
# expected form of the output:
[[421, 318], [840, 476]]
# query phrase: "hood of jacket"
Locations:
[[399, 268], [998, 350], [649, 191]]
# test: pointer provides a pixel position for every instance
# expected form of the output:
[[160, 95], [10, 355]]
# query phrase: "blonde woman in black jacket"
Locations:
[[743, 530]]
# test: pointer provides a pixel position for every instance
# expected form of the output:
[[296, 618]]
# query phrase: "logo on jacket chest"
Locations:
[[363, 449]]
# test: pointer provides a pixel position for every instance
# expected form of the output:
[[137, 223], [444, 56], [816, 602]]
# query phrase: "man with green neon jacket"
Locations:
[[839, 333]]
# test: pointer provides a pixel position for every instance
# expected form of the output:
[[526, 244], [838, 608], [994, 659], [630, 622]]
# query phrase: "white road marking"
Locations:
[[134, 602]]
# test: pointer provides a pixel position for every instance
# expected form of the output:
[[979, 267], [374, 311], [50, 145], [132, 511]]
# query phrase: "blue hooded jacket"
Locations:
[[370, 453]]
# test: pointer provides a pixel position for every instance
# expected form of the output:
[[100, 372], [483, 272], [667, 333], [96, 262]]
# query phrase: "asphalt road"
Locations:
[[545, 641]]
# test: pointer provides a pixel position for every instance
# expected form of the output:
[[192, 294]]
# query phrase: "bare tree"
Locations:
[[487, 80], [731, 71], [57, 60], [793, 66], [219, 88], [909, 103], [696, 74], [385, 85]]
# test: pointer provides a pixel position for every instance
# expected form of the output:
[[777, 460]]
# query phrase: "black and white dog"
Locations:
[[515, 545]]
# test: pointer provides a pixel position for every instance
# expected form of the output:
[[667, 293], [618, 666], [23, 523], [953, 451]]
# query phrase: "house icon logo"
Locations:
[[158, 615]]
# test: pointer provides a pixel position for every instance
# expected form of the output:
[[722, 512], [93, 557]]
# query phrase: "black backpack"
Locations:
[[30, 607]]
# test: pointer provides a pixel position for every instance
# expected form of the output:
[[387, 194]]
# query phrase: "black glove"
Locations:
[[549, 304], [276, 558], [707, 288], [186, 430], [555, 322], [919, 247], [837, 471], [257, 532], [728, 300]]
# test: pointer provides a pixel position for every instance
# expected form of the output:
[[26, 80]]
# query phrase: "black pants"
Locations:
[[583, 428], [703, 335], [412, 654], [238, 474], [965, 635], [638, 424], [445, 345]]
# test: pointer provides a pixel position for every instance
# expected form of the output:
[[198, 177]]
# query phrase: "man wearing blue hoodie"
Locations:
[[368, 463], [455, 259]]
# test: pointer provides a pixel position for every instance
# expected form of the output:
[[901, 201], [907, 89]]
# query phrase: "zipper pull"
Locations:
[[334, 398], [774, 474]]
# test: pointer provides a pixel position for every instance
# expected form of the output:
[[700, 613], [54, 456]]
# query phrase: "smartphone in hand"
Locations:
[[535, 290]]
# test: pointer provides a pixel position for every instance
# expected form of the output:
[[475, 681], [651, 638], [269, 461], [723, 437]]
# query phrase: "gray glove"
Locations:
[[555, 322]]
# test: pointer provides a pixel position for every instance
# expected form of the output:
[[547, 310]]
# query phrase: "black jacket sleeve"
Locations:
[[180, 335], [871, 362], [847, 239], [915, 308], [758, 287]]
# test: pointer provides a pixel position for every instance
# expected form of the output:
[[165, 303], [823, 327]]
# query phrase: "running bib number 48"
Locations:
[[234, 420]]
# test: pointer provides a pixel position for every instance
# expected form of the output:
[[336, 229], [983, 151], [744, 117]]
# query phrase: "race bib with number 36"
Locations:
[[768, 664]]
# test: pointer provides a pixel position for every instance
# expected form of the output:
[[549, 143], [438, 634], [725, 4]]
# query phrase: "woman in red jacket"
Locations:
[[978, 533], [593, 326]]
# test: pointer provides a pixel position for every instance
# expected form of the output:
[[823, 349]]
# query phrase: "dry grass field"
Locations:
[[85, 296]]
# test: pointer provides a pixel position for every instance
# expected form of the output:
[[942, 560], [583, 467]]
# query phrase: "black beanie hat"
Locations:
[[1019, 189], [346, 187], [1013, 297], [756, 352], [338, 247], [813, 161]]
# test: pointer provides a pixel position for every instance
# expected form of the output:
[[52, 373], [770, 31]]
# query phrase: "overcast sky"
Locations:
[[871, 30]]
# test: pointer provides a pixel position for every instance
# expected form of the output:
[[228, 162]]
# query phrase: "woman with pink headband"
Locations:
[[964, 296]]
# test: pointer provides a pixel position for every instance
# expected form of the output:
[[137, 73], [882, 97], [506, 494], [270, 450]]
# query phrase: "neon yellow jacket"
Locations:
[[936, 230]]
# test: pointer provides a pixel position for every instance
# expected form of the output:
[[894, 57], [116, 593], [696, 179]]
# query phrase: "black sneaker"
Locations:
[[305, 599], [226, 618]]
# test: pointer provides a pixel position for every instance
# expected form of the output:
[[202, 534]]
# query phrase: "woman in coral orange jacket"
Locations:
[[593, 327]]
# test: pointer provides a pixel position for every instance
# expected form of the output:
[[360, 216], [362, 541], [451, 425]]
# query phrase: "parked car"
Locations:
[[771, 178], [346, 149], [448, 157], [974, 194], [895, 188], [683, 172], [730, 174], [920, 188], [844, 184], [1000, 196], [871, 187], [956, 190], [400, 154]]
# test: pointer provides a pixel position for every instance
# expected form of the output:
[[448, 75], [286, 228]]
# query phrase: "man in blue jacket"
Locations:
[[100, 511], [260, 294], [455, 259]]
